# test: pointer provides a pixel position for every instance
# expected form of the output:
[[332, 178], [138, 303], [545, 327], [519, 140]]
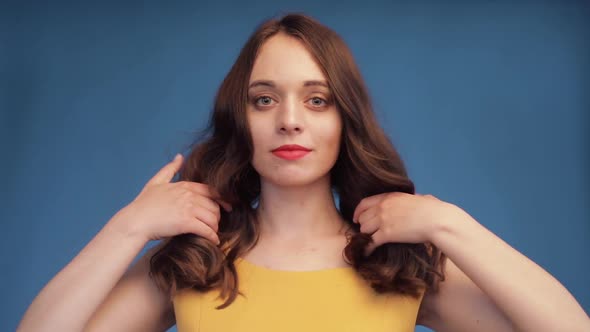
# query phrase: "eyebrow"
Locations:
[[273, 85]]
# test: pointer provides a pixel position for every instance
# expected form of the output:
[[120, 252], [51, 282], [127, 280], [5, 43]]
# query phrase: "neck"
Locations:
[[303, 212]]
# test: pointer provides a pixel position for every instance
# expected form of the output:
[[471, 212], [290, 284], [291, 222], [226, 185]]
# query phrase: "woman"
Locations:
[[254, 240]]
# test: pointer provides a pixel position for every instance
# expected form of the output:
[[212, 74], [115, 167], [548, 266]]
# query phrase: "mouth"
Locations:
[[291, 152]]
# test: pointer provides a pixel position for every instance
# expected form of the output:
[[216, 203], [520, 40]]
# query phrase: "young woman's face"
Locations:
[[289, 103]]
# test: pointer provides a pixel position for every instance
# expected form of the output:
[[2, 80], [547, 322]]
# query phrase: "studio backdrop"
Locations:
[[488, 104]]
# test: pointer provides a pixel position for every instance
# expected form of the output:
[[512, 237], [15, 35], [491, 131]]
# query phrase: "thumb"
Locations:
[[166, 173]]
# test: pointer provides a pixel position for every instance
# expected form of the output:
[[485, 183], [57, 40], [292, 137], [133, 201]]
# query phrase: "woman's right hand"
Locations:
[[163, 209]]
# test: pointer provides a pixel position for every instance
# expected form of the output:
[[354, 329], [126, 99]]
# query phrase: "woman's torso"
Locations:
[[334, 299]]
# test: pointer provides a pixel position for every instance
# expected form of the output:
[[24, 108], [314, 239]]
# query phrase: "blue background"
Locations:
[[488, 103]]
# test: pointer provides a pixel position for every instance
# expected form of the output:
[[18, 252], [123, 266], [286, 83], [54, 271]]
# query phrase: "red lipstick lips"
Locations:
[[291, 151]]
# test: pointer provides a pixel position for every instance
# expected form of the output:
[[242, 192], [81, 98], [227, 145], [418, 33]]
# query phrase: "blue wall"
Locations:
[[489, 105]]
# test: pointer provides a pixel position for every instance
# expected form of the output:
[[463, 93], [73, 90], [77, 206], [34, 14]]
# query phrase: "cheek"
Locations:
[[256, 133], [330, 133], [258, 142], [261, 143]]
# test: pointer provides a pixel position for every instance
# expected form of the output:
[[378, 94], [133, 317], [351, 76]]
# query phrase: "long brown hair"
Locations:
[[367, 164]]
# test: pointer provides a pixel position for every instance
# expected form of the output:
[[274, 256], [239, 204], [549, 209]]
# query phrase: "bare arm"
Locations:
[[493, 286], [460, 305], [68, 301], [135, 304]]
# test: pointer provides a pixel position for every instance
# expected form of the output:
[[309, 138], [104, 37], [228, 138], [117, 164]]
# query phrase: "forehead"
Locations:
[[285, 60]]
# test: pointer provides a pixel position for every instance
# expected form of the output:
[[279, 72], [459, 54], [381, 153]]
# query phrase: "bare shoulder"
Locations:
[[460, 305], [135, 303]]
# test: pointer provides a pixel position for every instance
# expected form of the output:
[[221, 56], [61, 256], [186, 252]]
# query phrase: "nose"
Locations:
[[290, 118]]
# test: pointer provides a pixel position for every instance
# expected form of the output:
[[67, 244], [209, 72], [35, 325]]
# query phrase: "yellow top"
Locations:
[[335, 299]]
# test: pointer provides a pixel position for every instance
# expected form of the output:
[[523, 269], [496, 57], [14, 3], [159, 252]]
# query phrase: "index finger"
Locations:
[[167, 172]]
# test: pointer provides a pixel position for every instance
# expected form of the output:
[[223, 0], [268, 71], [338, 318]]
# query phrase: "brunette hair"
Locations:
[[367, 165]]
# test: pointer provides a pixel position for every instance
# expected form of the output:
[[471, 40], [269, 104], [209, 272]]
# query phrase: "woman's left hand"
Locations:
[[400, 217]]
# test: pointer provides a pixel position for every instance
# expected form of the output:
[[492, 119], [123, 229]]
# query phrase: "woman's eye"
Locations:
[[317, 101], [266, 100]]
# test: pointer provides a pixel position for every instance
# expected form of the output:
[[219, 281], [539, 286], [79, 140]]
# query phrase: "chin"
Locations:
[[293, 175], [292, 179]]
